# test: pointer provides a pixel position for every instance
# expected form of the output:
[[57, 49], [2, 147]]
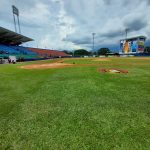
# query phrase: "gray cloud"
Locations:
[[78, 41], [81, 41], [49, 21], [107, 2], [112, 34], [148, 2], [136, 24]]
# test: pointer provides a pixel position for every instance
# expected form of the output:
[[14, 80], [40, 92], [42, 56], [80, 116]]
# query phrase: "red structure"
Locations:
[[49, 53]]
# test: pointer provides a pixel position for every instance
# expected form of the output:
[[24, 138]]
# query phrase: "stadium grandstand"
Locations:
[[48, 53], [10, 45]]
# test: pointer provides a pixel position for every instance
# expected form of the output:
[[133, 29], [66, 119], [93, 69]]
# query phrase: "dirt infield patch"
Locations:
[[141, 58], [64, 65], [115, 71], [56, 65], [45, 66], [101, 59]]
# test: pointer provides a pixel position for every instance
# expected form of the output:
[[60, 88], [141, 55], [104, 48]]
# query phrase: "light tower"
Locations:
[[15, 12]]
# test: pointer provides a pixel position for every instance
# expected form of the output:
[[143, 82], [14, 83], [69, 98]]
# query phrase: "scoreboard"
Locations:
[[132, 45]]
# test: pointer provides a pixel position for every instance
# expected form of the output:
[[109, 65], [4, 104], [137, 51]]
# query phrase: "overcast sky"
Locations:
[[69, 24]]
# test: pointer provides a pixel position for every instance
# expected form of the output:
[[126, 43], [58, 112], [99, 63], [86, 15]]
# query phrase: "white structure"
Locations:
[[13, 59]]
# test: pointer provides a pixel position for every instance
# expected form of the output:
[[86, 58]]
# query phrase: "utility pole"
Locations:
[[93, 36], [126, 31]]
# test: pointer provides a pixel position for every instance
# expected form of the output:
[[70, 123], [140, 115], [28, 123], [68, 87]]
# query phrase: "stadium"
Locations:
[[50, 100], [9, 45]]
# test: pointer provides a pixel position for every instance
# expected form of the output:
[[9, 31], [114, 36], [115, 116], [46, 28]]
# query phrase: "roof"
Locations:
[[144, 37], [12, 38], [49, 53]]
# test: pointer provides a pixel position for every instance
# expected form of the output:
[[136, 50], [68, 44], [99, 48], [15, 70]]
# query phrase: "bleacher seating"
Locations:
[[29, 53], [23, 50], [7, 49], [49, 53]]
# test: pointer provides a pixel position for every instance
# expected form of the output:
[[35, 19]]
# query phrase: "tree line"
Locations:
[[101, 51], [83, 52]]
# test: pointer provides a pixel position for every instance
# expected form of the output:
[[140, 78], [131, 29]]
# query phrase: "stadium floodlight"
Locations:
[[15, 12]]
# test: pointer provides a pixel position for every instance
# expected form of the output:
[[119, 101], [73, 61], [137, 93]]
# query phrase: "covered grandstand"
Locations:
[[10, 45]]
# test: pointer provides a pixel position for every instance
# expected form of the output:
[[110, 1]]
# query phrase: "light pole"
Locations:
[[126, 31], [93, 36], [15, 12]]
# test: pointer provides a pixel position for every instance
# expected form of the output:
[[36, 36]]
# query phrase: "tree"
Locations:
[[147, 49], [68, 52], [81, 52], [103, 51]]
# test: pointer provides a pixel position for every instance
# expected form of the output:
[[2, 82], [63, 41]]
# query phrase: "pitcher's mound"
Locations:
[[113, 71], [44, 66]]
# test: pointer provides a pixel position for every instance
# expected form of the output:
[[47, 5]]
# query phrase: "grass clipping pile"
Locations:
[[114, 71], [45, 66]]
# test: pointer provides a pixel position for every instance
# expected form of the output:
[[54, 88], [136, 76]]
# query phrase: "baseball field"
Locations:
[[71, 104]]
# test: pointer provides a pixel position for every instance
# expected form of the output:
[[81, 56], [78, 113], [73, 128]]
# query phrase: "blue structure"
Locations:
[[7, 50], [23, 50], [9, 44]]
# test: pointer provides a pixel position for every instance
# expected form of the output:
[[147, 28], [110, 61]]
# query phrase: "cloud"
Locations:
[[37, 16], [135, 23], [61, 45], [69, 24], [82, 41], [107, 2], [148, 2], [112, 34]]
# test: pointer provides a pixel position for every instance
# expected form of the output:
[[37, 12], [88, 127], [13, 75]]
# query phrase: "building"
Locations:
[[132, 45]]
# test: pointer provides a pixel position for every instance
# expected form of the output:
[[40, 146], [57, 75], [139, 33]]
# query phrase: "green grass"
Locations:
[[75, 108]]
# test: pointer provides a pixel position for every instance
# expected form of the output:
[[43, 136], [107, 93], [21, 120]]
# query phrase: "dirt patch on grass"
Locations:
[[61, 64], [64, 65], [101, 59], [114, 71], [141, 58], [55, 65], [45, 66]]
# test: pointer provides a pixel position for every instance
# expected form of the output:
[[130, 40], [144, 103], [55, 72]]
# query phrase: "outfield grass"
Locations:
[[77, 107]]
